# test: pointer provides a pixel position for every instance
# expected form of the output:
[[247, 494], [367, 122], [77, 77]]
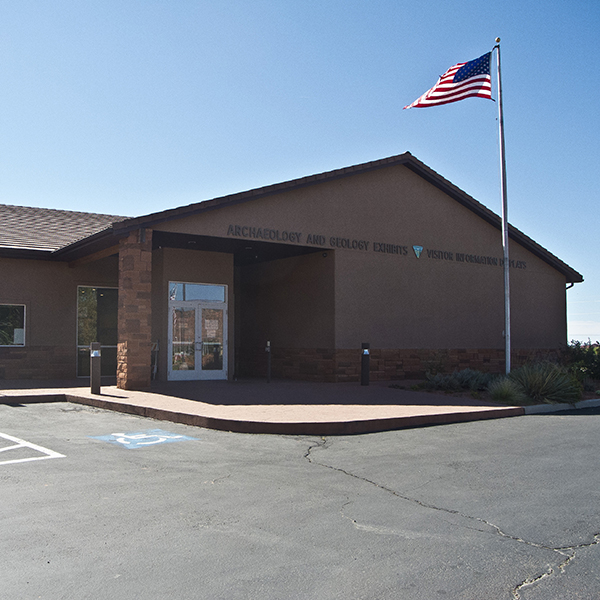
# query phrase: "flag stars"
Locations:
[[479, 66]]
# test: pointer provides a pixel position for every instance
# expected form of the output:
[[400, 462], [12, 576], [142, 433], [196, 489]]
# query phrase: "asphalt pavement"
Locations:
[[98, 504]]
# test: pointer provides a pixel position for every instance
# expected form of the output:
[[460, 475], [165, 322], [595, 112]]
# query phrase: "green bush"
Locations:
[[467, 379], [583, 360], [547, 382], [506, 391]]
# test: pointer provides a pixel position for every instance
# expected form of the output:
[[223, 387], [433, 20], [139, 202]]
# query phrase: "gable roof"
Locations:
[[66, 234], [45, 229], [406, 159]]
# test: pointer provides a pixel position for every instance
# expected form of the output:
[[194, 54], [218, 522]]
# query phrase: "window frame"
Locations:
[[24, 325], [79, 346]]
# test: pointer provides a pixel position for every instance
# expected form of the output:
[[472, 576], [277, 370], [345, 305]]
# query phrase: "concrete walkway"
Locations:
[[282, 407]]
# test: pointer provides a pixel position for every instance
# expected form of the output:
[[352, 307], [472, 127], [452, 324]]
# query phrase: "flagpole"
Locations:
[[506, 262]]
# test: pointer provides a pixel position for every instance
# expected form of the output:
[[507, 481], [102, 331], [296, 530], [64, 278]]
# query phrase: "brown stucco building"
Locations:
[[386, 252]]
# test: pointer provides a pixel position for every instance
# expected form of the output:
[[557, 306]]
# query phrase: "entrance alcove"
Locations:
[[273, 292], [289, 302]]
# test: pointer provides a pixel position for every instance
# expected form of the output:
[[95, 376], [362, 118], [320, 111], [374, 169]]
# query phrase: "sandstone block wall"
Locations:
[[135, 311], [37, 362], [320, 364]]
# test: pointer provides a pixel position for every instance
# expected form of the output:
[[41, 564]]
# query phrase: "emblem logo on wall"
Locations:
[[418, 250]]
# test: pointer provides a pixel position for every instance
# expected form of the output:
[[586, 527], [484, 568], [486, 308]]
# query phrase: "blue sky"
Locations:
[[133, 106]]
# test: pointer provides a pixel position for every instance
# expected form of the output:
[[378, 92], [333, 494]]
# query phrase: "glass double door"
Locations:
[[197, 340]]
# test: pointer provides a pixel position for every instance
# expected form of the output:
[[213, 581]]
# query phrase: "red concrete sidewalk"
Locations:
[[281, 407]]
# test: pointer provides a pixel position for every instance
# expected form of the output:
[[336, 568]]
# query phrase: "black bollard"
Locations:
[[364, 364], [95, 367], [268, 351]]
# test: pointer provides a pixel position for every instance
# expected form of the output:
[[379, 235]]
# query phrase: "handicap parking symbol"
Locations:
[[140, 439]]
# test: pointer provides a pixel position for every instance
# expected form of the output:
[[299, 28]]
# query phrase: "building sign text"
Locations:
[[312, 239]]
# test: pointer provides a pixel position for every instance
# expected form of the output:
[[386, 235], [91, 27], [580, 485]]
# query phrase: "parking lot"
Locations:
[[97, 504]]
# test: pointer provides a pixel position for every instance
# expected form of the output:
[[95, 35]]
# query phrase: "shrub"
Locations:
[[439, 381], [583, 359], [467, 379], [506, 391], [547, 382], [473, 380]]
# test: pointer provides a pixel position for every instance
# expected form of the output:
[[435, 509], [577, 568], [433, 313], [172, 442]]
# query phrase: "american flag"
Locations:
[[463, 80]]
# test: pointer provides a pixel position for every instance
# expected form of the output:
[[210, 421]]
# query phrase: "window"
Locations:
[[97, 322], [196, 291], [12, 325]]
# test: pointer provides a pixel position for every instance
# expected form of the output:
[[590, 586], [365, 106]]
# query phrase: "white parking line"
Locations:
[[23, 444]]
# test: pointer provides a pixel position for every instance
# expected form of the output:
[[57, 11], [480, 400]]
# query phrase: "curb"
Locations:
[[356, 427], [341, 427], [542, 409]]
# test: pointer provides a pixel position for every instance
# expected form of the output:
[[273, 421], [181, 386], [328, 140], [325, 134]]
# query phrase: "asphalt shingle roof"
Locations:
[[29, 228]]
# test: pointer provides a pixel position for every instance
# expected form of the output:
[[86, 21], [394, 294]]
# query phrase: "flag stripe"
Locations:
[[486, 89], [458, 95], [446, 90]]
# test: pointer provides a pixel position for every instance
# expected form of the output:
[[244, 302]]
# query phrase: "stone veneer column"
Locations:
[[135, 312]]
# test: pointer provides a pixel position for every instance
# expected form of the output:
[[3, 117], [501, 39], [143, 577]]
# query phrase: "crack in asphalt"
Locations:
[[560, 568], [568, 552]]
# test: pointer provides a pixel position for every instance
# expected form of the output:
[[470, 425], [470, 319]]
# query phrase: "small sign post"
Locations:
[[95, 367]]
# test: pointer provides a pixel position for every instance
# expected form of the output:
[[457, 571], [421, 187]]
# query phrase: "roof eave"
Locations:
[[406, 159], [88, 245], [254, 194], [27, 253], [118, 229]]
